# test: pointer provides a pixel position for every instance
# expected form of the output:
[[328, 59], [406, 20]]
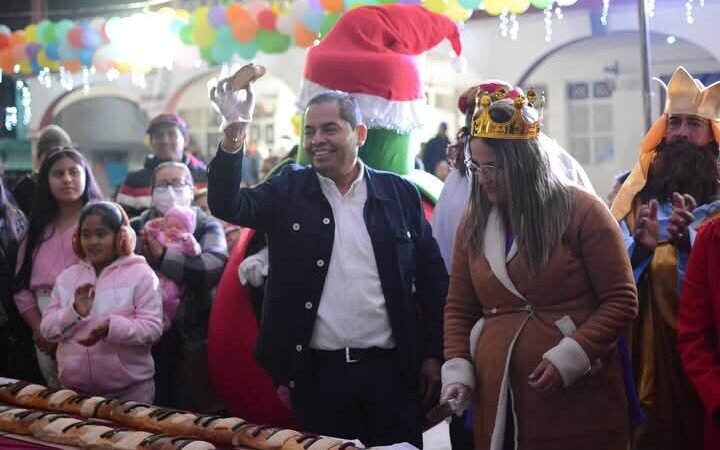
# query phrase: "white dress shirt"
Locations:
[[352, 311]]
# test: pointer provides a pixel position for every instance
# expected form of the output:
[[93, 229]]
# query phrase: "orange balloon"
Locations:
[[304, 38], [245, 33], [237, 15], [333, 6], [18, 37], [7, 62], [72, 65]]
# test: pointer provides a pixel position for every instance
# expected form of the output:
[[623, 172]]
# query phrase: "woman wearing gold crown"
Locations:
[[541, 288]]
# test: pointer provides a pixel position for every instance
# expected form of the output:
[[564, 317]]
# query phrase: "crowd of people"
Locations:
[[543, 318]]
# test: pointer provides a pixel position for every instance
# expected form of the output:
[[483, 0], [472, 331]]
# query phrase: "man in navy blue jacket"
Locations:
[[352, 318]]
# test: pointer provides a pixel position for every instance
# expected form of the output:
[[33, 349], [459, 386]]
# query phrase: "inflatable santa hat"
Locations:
[[370, 53]]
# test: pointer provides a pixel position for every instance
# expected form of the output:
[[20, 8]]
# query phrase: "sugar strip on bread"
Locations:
[[119, 439]]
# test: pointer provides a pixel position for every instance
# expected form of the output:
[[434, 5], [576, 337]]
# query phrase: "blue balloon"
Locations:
[[53, 50], [65, 51], [90, 38], [86, 57], [247, 50], [314, 19], [469, 4]]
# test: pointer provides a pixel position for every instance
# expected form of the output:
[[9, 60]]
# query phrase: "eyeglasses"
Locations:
[[485, 170], [176, 185]]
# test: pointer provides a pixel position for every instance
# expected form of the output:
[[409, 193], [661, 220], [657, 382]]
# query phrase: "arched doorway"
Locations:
[[110, 132], [594, 95]]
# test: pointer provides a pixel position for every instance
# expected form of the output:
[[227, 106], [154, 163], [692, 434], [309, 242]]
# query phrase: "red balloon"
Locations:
[[75, 37], [4, 41], [267, 20]]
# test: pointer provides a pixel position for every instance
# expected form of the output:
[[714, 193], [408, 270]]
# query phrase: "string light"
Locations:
[[514, 27], [25, 102], [548, 23], [66, 79], [112, 74], [44, 78], [650, 8], [559, 13], [85, 76], [138, 79], [16, 69], [605, 12], [504, 28], [689, 12]]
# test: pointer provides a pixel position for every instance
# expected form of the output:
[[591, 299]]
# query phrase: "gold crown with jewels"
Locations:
[[524, 123]]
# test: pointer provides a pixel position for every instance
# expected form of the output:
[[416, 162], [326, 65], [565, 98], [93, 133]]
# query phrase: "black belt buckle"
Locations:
[[349, 359]]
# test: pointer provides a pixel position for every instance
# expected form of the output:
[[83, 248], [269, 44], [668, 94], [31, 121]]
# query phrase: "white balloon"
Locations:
[[4, 29], [299, 8], [286, 24], [565, 2]]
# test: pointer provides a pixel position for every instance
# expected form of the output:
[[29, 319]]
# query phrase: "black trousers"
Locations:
[[369, 400], [461, 437]]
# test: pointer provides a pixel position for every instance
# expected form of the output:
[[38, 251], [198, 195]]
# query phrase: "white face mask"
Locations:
[[164, 198]]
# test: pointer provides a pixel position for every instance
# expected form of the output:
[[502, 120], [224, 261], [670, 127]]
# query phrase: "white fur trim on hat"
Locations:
[[570, 360], [377, 112]]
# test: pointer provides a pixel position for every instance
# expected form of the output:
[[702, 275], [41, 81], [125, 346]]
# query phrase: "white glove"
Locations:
[[233, 106], [254, 268], [458, 396]]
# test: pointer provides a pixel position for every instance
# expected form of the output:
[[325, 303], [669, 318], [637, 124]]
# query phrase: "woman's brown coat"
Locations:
[[587, 278]]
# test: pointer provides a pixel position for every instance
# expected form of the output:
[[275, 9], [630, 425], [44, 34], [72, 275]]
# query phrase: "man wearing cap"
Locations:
[[670, 193], [168, 137]]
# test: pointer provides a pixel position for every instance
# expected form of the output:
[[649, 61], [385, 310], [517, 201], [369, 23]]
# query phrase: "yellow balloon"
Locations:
[[166, 11], [182, 14], [494, 7], [296, 123], [201, 16], [438, 6], [25, 67], [518, 6], [31, 33], [456, 12], [43, 60], [204, 36]]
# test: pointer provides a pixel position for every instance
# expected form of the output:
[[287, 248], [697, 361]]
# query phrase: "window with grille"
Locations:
[[590, 121]]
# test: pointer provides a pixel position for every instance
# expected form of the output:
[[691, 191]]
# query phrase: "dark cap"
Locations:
[[167, 119]]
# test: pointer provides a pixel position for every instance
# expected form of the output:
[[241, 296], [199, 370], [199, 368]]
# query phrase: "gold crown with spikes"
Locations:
[[686, 95], [524, 123]]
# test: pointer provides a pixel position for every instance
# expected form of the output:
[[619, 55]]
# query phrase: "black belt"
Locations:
[[352, 355]]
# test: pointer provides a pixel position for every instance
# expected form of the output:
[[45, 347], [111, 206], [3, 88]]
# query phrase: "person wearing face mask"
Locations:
[[168, 139], [180, 356]]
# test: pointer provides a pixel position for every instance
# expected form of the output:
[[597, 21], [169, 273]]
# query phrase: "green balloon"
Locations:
[[246, 50], [186, 33], [50, 34], [62, 28], [272, 41], [207, 54], [469, 4], [225, 36], [328, 23], [541, 4], [221, 52]]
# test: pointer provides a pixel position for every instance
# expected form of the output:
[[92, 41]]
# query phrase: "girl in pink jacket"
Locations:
[[106, 311]]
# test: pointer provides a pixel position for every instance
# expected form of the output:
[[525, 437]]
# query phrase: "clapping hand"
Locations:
[[100, 332], [647, 229], [84, 299], [680, 220]]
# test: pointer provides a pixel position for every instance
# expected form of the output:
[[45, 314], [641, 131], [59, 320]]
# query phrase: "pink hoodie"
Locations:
[[126, 292]]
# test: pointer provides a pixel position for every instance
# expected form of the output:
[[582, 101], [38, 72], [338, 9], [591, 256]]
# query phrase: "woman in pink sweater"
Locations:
[[65, 185], [106, 311]]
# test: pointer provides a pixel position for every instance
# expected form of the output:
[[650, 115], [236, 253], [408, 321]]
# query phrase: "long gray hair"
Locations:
[[537, 204]]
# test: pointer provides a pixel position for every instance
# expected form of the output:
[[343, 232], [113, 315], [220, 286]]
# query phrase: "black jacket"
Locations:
[[413, 277]]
